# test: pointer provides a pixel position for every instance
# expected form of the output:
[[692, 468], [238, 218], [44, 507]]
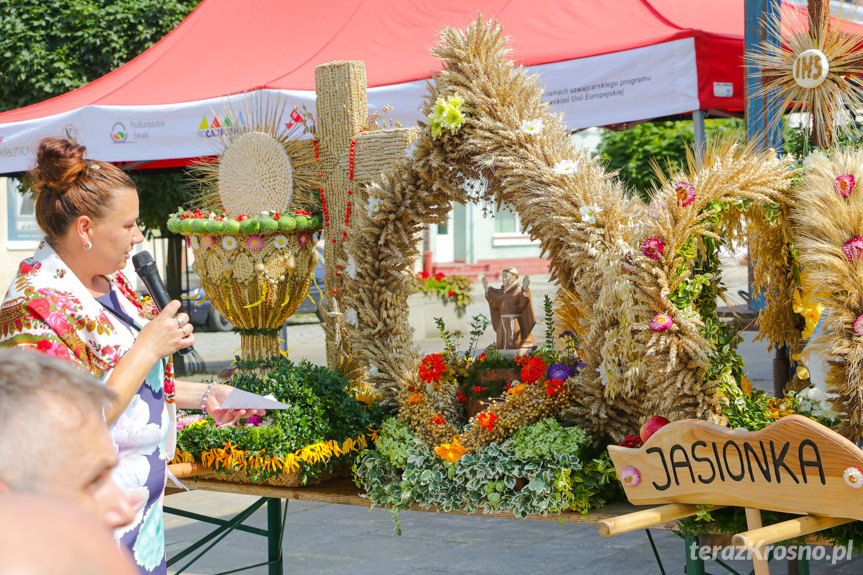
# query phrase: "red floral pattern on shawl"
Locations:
[[47, 309]]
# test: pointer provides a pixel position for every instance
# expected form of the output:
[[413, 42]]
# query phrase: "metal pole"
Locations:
[[759, 110], [699, 137], [274, 536]]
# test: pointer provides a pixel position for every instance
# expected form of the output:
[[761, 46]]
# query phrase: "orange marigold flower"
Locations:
[[517, 389], [533, 369], [438, 419], [779, 408], [450, 451], [432, 368], [486, 420], [415, 398]]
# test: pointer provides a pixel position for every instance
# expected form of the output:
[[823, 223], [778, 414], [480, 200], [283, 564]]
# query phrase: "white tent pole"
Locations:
[[698, 132]]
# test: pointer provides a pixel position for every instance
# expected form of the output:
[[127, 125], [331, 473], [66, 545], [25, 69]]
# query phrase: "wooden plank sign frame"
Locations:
[[795, 465]]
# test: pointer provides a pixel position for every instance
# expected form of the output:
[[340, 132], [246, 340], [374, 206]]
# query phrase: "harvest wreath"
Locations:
[[638, 282]]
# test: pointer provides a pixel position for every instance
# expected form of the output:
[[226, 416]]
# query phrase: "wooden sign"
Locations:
[[795, 465]]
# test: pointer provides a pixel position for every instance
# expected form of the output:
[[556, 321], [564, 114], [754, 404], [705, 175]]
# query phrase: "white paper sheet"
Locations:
[[239, 399]]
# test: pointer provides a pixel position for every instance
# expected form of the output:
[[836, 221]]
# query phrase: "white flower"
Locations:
[[280, 242], [853, 477], [166, 430], [566, 167], [351, 267], [195, 243], [373, 205], [588, 213], [229, 243], [135, 438], [352, 317], [532, 126]]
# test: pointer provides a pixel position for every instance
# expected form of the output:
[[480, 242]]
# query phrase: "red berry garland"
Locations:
[[350, 192]]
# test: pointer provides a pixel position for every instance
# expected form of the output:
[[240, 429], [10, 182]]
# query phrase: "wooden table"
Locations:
[[342, 492]]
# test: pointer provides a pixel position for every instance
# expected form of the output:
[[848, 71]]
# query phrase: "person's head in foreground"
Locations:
[[53, 437], [43, 536]]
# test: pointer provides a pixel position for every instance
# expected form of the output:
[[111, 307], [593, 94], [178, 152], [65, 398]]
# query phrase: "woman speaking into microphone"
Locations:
[[71, 300]]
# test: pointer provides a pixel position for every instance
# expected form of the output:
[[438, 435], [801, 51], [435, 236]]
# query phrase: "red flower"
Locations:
[[438, 419], [631, 441], [242, 217], [481, 357], [423, 275], [302, 213], [533, 369], [432, 368], [460, 396], [653, 247], [439, 276], [486, 420], [553, 386], [450, 293]]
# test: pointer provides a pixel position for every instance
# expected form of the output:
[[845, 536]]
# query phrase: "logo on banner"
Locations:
[[215, 126], [119, 133], [70, 132], [296, 118]]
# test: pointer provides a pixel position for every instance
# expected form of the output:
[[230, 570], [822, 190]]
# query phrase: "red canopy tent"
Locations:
[[602, 62]]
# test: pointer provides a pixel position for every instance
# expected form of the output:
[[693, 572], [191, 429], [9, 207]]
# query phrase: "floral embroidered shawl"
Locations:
[[48, 309]]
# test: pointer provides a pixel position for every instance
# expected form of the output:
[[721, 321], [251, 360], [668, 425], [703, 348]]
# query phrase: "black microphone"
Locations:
[[145, 267]]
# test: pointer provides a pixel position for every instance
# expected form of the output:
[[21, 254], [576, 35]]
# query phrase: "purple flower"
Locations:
[[579, 365], [559, 371], [255, 421], [567, 333]]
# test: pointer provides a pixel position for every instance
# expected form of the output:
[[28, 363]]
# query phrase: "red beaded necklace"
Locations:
[[350, 193]]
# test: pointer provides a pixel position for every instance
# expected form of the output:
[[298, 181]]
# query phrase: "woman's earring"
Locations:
[[88, 245]]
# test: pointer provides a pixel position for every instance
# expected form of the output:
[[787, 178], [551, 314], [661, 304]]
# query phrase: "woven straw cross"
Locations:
[[342, 117]]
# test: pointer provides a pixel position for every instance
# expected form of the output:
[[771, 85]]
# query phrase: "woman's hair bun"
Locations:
[[58, 164]]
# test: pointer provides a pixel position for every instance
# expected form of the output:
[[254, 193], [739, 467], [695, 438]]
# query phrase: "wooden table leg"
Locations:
[[759, 556]]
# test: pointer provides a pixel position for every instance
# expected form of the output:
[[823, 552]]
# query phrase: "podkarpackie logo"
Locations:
[[213, 127], [119, 133], [70, 132]]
